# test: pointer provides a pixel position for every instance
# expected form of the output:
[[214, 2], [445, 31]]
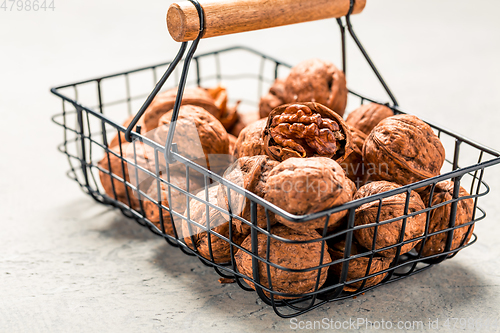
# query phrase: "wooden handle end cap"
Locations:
[[176, 20]]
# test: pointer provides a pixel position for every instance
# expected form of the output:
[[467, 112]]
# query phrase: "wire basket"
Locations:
[[90, 107]]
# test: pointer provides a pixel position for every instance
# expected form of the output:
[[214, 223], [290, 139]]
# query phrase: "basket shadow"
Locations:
[[113, 224], [174, 262], [449, 288], [201, 283], [121, 227]]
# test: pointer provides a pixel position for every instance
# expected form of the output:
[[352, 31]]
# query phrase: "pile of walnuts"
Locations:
[[303, 158]]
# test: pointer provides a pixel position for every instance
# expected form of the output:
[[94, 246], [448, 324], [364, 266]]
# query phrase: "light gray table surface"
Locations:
[[68, 264]]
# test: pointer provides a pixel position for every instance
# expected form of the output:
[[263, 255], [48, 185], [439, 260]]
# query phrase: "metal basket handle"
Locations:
[[234, 16]]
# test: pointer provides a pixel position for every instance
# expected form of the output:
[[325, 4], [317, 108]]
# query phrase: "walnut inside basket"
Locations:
[[405, 150], [304, 186], [212, 246], [388, 234], [358, 266], [294, 256], [440, 218], [251, 173], [306, 130]]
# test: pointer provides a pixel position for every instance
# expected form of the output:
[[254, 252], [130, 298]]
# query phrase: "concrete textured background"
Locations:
[[69, 264]]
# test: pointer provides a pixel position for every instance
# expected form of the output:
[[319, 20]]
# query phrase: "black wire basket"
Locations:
[[90, 107]]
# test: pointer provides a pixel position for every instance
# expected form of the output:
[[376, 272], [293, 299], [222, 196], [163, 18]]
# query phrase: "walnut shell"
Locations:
[[317, 81], [306, 130], [228, 115], [404, 149], [440, 218], [358, 266], [367, 116], [145, 159], [232, 143], [178, 201], [251, 173], [218, 223], [304, 186], [353, 165], [287, 255], [274, 98], [250, 141], [165, 101], [392, 207], [244, 119], [200, 137], [229, 118], [108, 182]]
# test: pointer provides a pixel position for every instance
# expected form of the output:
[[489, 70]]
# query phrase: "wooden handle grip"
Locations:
[[223, 17]]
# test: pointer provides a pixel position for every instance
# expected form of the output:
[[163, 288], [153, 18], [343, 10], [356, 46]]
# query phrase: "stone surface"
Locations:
[[70, 264]]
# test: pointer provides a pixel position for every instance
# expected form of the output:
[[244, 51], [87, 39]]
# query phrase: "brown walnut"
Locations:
[[177, 202], [317, 81], [440, 218], [203, 241], [200, 137], [165, 101], [232, 143], [367, 116], [287, 255], [306, 130], [404, 150], [274, 98], [392, 207], [353, 165], [244, 119], [114, 163], [250, 141], [304, 186], [145, 159], [358, 266], [251, 173], [228, 115]]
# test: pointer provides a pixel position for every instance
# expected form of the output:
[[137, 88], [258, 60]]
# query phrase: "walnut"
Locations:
[[200, 137], [116, 182], [287, 255], [251, 173], [274, 98], [244, 119], [178, 200], [232, 143], [204, 242], [250, 141], [317, 81], [440, 218], [165, 101], [228, 115], [229, 118], [392, 207], [367, 116], [353, 165], [127, 171], [358, 266], [404, 150], [306, 130], [304, 186]]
